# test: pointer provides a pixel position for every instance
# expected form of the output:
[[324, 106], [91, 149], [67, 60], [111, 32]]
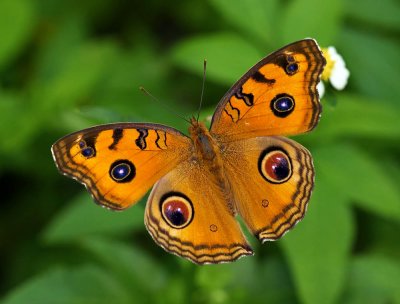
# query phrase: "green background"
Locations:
[[68, 64]]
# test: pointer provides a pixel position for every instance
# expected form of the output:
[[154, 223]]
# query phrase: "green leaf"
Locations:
[[311, 18], [71, 82], [211, 278], [389, 11], [373, 69], [138, 67], [228, 56], [254, 17], [83, 218], [83, 285], [70, 85], [373, 279], [142, 275], [249, 277], [17, 20], [60, 47], [318, 250], [133, 268], [362, 179], [16, 117], [357, 116], [245, 279]]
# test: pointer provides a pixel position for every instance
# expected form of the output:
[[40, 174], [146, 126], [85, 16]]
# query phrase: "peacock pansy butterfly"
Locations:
[[240, 166]]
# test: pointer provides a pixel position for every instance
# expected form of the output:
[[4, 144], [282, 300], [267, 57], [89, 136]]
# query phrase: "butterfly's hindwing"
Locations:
[[272, 179]]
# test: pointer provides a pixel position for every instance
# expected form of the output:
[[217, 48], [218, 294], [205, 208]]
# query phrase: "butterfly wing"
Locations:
[[278, 96], [272, 179], [187, 214], [118, 163]]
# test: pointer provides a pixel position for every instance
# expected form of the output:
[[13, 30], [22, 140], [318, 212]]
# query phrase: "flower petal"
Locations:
[[339, 77], [321, 89]]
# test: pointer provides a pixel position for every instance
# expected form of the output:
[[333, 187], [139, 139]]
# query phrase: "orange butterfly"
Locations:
[[241, 166]]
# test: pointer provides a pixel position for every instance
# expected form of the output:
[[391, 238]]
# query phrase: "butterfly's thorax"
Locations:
[[206, 148]]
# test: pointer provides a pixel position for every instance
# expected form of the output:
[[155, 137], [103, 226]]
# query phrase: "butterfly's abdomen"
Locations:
[[206, 147]]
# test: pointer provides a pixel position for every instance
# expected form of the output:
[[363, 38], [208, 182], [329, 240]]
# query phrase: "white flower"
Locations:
[[321, 89], [335, 71]]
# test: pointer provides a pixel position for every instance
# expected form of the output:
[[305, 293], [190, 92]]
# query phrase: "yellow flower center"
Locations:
[[329, 65]]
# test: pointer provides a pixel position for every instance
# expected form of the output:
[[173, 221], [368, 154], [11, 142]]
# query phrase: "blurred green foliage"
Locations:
[[67, 65]]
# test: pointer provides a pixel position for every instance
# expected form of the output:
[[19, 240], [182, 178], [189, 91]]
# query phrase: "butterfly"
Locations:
[[240, 166]]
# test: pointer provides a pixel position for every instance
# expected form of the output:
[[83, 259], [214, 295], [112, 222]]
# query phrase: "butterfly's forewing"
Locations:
[[272, 179], [189, 215], [118, 163], [278, 96]]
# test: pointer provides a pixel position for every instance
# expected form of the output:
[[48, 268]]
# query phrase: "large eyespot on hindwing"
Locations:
[[176, 209], [282, 105], [122, 171], [275, 165]]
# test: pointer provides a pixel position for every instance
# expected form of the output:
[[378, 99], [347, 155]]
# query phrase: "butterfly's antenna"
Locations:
[[162, 104], [202, 88]]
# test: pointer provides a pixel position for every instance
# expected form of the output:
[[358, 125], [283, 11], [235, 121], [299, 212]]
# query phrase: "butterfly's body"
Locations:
[[206, 149], [240, 166], [207, 155]]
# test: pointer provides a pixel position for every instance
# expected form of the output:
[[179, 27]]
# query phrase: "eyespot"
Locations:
[[282, 105], [265, 203], [213, 228], [177, 210], [290, 58], [82, 144], [122, 171], [292, 68], [274, 165], [87, 152]]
